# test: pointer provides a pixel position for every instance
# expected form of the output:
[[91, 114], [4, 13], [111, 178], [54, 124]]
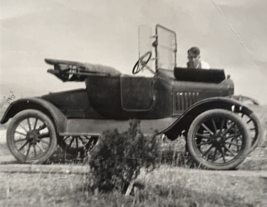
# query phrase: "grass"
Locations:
[[167, 186], [164, 187]]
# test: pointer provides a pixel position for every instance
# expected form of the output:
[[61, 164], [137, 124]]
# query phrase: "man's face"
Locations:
[[192, 57], [193, 60]]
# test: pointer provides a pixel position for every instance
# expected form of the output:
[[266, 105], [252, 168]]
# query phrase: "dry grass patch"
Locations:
[[167, 186]]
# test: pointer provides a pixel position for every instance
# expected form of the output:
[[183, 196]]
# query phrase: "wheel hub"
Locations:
[[32, 137], [218, 141]]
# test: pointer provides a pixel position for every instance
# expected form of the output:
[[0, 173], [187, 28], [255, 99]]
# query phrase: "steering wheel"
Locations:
[[142, 62]]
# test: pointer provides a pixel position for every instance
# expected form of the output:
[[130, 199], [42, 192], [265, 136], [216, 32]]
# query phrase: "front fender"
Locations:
[[244, 99], [184, 121], [39, 104], [219, 102]]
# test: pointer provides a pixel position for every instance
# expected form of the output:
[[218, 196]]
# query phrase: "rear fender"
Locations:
[[39, 104], [185, 120]]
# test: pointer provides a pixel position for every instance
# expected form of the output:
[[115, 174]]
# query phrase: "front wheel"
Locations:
[[218, 139], [31, 137]]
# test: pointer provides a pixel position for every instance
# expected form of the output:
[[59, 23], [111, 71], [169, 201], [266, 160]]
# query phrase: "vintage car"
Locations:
[[199, 104]]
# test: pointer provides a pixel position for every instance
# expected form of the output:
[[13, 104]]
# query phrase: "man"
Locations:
[[194, 59]]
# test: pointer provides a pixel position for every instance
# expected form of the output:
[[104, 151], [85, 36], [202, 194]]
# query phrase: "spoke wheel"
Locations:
[[218, 139], [254, 128], [77, 144], [31, 137]]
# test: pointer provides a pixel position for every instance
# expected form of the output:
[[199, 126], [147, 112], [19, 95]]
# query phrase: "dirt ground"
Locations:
[[167, 186]]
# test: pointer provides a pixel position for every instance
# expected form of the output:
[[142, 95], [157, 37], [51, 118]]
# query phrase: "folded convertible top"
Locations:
[[88, 67]]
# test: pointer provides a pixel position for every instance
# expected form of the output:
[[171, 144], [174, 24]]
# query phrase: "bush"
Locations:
[[117, 159]]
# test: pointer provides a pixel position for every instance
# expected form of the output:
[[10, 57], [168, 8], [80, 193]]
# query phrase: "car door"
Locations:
[[137, 93]]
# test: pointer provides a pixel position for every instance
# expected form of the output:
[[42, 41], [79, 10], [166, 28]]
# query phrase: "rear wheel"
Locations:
[[77, 144], [218, 139], [31, 137]]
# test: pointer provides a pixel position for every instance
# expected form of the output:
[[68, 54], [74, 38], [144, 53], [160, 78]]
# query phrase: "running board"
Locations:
[[98, 126]]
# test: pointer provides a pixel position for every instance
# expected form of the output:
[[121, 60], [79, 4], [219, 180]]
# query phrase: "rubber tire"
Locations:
[[12, 126], [196, 155], [259, 139]]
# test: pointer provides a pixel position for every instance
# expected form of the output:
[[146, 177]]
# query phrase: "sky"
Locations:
[[232, 35]]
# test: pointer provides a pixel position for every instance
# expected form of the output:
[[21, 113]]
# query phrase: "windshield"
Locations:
[[165, 45], [146, 39], [166, 48]]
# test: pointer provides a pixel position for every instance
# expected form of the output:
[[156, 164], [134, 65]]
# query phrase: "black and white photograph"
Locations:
[[133, 103]]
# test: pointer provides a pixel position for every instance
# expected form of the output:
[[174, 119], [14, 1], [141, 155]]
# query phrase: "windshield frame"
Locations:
[[158, 26]]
